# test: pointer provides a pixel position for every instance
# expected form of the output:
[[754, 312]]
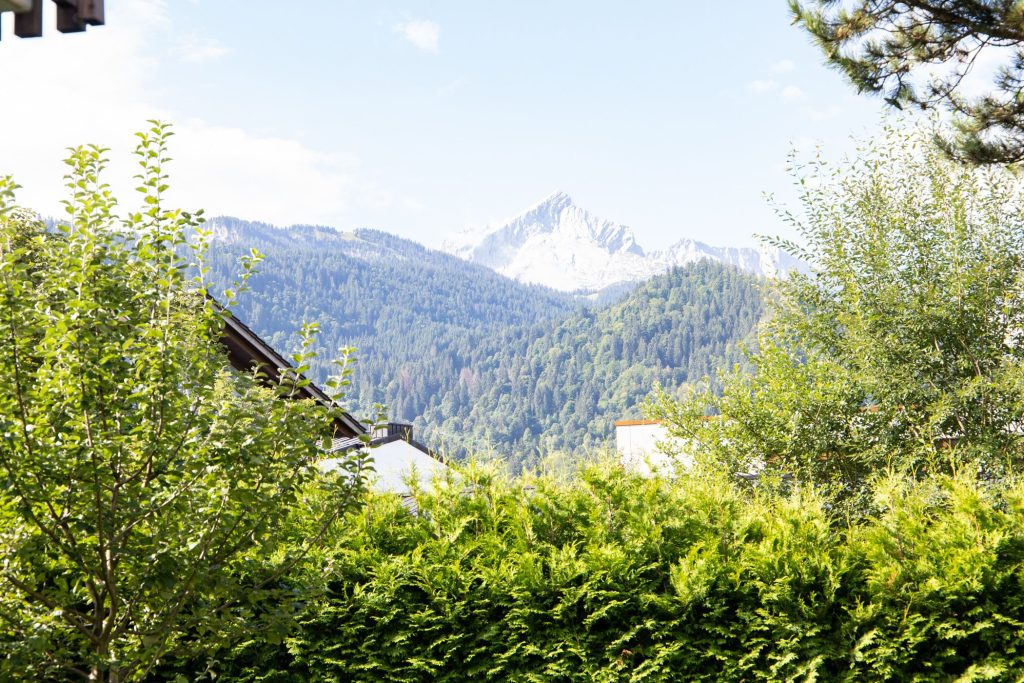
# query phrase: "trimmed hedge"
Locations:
[[611, 577]]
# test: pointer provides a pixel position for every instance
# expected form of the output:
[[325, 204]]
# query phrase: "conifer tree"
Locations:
[[919, 52]]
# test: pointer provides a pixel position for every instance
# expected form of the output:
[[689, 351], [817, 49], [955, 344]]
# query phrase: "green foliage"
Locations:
[[419, 317], [148, 492], [903, 348], [565, 388], [479, 361], [612, 577], [920, 52]]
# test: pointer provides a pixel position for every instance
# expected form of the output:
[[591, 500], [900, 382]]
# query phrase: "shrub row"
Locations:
[[611, 577]]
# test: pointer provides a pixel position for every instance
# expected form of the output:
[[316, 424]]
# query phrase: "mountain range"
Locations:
[[563, 246], [481, 361]]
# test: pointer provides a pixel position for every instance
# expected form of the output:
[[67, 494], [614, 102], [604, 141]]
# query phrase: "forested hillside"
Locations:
[[565, 387], [478, 360], [416, 316]]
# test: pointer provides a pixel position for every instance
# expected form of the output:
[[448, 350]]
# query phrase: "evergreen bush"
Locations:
[[613, 577]]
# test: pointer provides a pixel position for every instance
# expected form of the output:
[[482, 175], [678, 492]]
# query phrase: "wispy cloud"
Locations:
[[194, 49], [763, 85], [792, 93], [226, 169], [222, 168], [426, 35], [783, 66], [785, 91]]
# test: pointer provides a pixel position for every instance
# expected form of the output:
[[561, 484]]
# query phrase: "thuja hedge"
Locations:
[[611, 577]]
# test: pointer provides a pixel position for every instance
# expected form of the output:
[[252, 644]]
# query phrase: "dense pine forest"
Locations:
[[565, 387], [480, 362]]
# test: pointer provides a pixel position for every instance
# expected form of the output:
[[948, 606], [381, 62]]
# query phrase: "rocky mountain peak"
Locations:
[[559, 244]]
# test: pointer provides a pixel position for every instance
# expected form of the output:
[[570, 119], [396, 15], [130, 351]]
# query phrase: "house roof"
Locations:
[[247, 350], [397, 461], [636, 423], [389, 433]]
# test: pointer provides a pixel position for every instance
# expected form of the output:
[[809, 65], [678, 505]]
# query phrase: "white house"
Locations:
[[398, 459], [645, 446]]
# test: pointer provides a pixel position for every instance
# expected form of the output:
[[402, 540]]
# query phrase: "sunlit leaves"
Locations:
[[901, 348], [148, 492]]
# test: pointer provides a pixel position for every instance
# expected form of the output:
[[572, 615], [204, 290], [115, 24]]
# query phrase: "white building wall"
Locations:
[[645, 446]]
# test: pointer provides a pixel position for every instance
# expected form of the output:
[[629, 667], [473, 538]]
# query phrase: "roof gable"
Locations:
[[247, 350]]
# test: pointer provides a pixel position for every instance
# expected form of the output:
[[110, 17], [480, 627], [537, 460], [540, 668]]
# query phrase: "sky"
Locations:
[[427, 118]]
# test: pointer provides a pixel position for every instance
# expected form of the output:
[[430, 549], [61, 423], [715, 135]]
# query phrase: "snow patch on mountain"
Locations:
[[560, 245]]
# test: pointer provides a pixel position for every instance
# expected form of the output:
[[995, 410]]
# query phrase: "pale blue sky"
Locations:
[[423, 118]]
